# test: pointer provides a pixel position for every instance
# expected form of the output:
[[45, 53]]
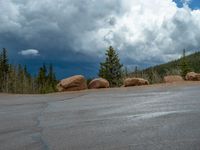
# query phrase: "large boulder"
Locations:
[[192, 76], [74, 83], [98, 83], [135, 82], [173, 78]]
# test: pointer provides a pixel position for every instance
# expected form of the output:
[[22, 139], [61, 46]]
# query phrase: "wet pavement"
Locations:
[[156, 118]]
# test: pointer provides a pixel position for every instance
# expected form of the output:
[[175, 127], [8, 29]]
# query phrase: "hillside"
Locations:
[[193, 62], [155, 74]]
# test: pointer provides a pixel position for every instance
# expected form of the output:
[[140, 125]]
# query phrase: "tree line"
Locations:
[[112, 70], [17, 79]]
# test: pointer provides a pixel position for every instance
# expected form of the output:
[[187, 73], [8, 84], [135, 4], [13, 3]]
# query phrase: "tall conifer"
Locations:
[[111, 69]]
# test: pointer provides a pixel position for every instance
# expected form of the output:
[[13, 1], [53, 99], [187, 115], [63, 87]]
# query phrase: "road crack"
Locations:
[[39, 137]]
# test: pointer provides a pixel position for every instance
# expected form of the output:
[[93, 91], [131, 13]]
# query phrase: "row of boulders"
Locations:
[[74, 83], [173, 78], [78, 82], [191, 76], [98, 83], [135, 82]]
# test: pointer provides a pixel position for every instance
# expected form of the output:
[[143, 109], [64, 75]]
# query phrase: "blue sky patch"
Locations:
[[193, 4]]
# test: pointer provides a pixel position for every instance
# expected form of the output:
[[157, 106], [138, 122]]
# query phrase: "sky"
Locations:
[[73, 35]]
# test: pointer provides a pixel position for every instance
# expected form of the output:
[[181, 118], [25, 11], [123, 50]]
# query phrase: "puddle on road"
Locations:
[[147, 94], [154, 115]]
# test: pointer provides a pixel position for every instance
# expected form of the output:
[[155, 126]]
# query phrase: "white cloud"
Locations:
[[148, 32], [142, 30], [29, 52]]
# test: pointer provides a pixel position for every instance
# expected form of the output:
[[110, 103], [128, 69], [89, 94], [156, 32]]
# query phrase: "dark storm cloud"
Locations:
[[76, 32], [54, 27]]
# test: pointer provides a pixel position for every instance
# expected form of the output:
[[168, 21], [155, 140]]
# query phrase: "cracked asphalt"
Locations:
[[144, 118]]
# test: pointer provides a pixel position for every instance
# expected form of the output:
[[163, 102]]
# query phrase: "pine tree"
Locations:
[[51, 79], [41, 79], [12, 79], [1, 72], [4, 67], [111, 69], [27, 80], [19, 80], [50, 74], [184, 66]]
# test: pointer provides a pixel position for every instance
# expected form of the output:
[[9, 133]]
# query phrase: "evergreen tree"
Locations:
[[50, 74], [4, 68], [41, 79], [1, 71], [12, 79], [51, 79], [19, 80], [184, 66], [26, 81], [111, 69]]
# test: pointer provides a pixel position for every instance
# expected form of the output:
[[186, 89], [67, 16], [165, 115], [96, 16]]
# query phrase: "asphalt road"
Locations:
[[149, 118]]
